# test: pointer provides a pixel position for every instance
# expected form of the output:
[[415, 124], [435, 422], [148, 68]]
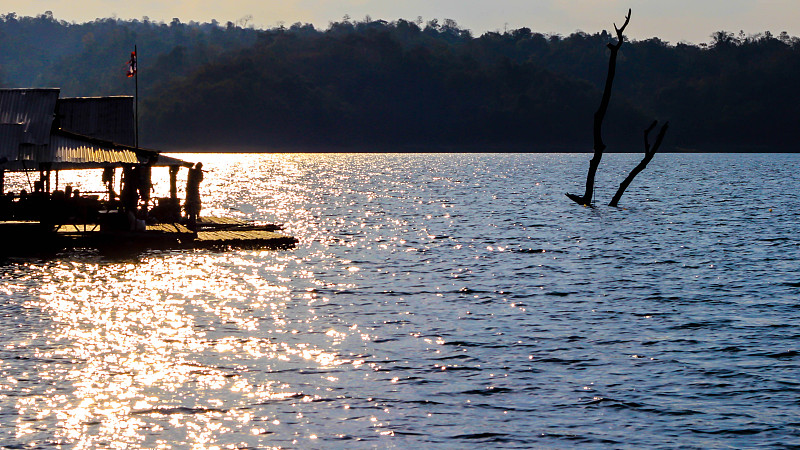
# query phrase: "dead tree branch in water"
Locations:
[[648, 155], [599, 115]]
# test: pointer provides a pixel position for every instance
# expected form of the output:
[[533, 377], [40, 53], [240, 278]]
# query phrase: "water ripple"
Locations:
[[434, 301]]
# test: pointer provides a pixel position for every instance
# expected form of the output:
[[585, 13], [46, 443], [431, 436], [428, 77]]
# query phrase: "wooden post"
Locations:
[[173, 182], [136, 94]]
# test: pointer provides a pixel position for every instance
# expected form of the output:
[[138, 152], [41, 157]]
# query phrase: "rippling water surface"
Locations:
[[432, 301]]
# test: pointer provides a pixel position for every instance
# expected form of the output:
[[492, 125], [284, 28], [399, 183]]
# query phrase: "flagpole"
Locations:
[[136, 94]]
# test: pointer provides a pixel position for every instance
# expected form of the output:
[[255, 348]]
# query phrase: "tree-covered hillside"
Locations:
[[393, 85], [90, 58]]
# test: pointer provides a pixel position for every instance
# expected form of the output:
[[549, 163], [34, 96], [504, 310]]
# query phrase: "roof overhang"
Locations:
[[69, 150]]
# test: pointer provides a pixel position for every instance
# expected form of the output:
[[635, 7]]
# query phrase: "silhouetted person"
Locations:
[[193, 204], [129, 197], [108, 179], [23, 205]]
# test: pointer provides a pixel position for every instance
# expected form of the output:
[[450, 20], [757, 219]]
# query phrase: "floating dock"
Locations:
[[98, 133], [218, 233], [242, 239]]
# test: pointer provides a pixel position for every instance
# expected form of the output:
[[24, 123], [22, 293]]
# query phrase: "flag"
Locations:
[[132, 65]]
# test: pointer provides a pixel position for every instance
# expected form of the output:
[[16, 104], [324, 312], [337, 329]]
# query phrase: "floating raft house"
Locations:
[[44, 134]]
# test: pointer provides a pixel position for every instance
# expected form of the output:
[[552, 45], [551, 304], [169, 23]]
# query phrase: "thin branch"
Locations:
[[648, 156], [622, 30], [660, 137], [646, 134]]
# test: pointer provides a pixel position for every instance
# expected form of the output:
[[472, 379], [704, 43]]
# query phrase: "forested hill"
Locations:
[[408, 85]]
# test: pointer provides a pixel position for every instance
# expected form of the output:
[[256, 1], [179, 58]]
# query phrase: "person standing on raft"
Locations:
[[193, 203]]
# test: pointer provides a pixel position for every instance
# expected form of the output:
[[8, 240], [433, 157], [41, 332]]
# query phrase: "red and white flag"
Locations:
[[132, 65]]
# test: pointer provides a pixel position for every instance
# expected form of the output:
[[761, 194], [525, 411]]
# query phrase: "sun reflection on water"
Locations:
[[174, 345], [185, 350]]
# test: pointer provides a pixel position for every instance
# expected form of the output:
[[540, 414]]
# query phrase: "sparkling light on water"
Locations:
[[432, 301]]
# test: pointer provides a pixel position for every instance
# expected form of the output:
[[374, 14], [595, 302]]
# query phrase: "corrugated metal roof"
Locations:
[[72, 151], [98, 132], [34, 108], [107, 118], [69, 150], [10, 135]]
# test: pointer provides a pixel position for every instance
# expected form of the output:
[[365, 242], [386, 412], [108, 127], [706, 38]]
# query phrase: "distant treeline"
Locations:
[[412, 85]]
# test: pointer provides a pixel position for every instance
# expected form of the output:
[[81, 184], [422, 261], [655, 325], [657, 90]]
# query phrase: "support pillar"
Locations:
[[173, 182]]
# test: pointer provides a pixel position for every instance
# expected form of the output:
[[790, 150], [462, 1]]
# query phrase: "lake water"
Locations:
[[433, 301]]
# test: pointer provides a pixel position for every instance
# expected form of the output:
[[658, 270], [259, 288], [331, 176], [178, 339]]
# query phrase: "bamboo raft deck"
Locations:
[[214, 232], [219, 233], [243, 239]]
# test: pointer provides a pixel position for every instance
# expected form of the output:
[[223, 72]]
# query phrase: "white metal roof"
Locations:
[[28, 139]]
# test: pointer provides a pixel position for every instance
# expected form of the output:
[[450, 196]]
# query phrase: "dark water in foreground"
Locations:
[[433, 301]]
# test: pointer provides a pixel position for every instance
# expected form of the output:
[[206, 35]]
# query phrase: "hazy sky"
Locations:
[[671, 20]]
